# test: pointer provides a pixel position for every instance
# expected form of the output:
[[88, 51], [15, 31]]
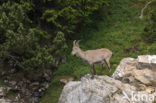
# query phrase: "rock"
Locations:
[[145, 76], [132, 78], [59, 61], [6, 101], [2, 91], [45, 85], [12, 83], [125, 68], [66, 79], [150, 90], [36, 94], [87, 91], [146, 61], [25, 91], [141, 69], [5, 81], [48, 71], [47, 77], [34, 100], [47, 74], [3, 73], [101, 89], [34, 84], [12, 71]]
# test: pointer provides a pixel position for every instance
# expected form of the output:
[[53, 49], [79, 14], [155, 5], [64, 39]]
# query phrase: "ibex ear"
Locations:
[[77, 42]]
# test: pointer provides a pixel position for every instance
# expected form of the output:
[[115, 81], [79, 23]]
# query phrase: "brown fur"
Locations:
[[91, 57]]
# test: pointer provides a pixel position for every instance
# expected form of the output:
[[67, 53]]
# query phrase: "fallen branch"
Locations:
[[142, 11]]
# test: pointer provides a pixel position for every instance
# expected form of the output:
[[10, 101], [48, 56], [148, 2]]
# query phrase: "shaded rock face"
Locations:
[[134, 81], [6, 101], [24, 90], [3, 91]]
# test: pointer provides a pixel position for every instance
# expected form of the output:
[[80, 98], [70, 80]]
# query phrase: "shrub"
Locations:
[[21, 46], [67, 16]]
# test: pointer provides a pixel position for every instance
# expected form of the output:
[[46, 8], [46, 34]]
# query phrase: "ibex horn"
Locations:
[[74, 42], [77, 42]]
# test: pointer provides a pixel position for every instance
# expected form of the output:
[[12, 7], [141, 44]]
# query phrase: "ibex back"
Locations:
[[91, 57]]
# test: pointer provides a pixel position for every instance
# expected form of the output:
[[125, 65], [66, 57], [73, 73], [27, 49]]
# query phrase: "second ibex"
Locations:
[[91, 57]]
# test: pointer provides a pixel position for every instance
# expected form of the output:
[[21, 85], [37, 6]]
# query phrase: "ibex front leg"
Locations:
[[92, 71], [102, 69]]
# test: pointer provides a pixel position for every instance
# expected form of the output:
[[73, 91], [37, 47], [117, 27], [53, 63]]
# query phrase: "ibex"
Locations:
[[91, 57]]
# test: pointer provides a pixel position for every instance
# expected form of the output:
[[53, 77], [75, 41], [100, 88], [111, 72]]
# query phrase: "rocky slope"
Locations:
[[134, 81], [24, 90]]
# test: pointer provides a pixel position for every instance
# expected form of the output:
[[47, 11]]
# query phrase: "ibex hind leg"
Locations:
[[92, 71], [109, 67]]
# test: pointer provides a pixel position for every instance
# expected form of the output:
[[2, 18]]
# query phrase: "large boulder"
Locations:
[[101, 89], [97, 90], [133, 81], [145, 76], [142, 69], [126, 66]]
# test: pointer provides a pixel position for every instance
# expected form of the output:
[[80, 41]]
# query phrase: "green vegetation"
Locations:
[[35, 33], [21, 44], [149, 34], [121, 32]]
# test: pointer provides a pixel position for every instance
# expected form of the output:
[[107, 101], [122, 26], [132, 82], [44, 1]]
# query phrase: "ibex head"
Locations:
[[76, 48]]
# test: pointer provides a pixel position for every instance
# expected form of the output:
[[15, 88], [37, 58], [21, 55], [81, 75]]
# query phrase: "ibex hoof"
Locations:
[[92, 77], [108, 74]]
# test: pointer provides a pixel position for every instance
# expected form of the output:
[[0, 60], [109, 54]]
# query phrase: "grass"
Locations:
[[53, 92], [120, 32]]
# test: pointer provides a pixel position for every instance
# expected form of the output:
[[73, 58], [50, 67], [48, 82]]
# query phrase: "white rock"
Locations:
[[146, 76], [146, 61], [102, 89], [5, 101], [141, 77], [126, 65]]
